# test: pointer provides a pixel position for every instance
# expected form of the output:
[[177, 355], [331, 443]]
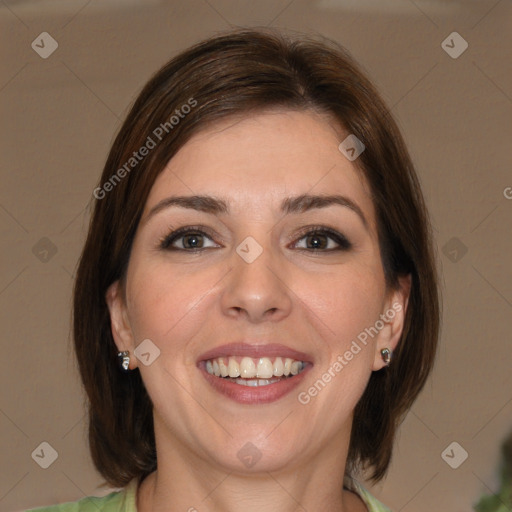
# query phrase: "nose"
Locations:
[[257, 289]]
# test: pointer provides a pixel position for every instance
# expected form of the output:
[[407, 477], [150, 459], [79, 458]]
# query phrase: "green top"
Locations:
[[126, 501]]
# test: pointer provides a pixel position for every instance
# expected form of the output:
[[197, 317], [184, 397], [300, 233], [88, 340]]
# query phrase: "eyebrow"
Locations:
[[290, 205]]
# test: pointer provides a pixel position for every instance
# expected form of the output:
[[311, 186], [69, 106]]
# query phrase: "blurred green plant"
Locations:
[[502, 501]]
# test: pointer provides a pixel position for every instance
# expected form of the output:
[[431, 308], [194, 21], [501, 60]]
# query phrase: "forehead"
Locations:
[[257, 160]]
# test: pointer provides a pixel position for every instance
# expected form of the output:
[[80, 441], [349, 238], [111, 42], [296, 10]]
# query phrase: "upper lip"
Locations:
[[255, 350]]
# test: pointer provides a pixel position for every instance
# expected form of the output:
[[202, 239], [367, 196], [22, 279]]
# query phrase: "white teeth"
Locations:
[[265, 368], [287, 366], [224, 372], [278, 367], [294, 368], [249, 382], [248, 368], [255, 382], [233, 368]]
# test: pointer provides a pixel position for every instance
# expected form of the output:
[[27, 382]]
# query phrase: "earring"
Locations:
[[386, 355], [124, 359]]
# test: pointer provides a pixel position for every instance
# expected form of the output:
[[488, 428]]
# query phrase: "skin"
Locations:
[[315, 302]]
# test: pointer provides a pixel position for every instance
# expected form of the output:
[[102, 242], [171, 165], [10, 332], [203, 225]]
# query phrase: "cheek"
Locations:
[[347, 304], [347, 301], [161, 302]]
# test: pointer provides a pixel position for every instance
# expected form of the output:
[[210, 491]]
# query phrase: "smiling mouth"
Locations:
[[256, 372]]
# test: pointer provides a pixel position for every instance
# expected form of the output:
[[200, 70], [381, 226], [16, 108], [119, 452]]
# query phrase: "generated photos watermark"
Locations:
[[304, 397], [157, 135]]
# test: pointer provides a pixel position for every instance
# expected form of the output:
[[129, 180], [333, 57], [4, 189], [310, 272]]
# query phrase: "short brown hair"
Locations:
[[235, 73]]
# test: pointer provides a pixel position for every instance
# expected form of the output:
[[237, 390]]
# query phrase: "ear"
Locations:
[[393, 316], [119, 321]]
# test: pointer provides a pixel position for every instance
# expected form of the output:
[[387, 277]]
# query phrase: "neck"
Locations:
[[152, 497], [184, 481]]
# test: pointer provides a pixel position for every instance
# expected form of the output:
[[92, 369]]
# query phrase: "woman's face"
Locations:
[[262, 273]]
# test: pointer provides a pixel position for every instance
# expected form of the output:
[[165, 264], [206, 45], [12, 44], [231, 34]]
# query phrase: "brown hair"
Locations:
[[236, 73]]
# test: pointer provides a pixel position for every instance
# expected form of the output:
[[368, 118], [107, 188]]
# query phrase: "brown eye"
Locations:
[[324, 240], [317, 241], [186, 239], [192, 241]]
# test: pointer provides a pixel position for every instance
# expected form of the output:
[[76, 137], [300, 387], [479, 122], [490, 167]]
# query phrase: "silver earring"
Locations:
[[124, 359], [386, 355]]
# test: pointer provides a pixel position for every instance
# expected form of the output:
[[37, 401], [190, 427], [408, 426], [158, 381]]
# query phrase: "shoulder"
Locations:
[[117, 501], [373, 504]]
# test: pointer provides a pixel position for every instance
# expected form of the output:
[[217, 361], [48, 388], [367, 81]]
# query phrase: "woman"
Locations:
[[256, 305]]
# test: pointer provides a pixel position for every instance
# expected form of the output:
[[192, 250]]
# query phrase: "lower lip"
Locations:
[[257, 394]]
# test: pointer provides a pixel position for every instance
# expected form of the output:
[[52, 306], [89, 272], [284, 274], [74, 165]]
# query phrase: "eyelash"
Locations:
[[343, 243]]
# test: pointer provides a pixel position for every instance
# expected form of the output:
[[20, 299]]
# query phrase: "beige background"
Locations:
[[60, 114]]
